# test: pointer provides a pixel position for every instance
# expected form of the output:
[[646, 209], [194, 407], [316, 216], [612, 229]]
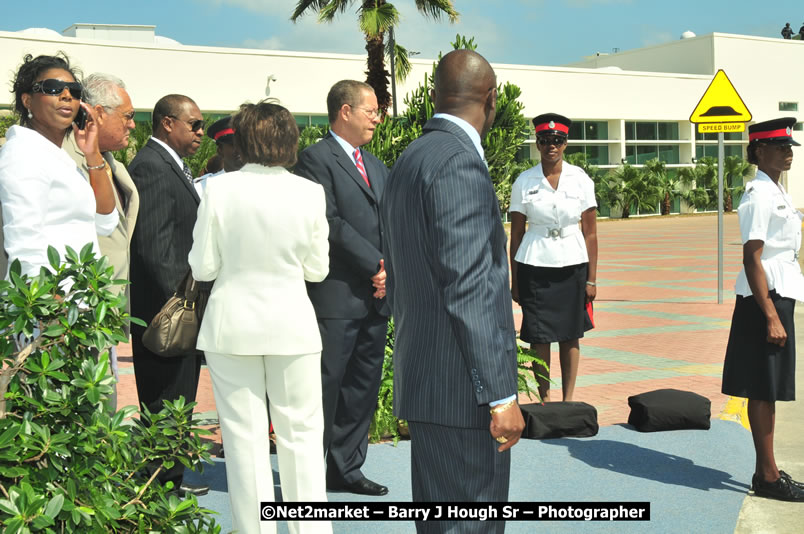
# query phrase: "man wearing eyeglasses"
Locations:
[[159, 249], [115, 118], [350, 303]]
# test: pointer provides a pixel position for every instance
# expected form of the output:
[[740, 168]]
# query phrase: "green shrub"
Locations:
[[66, 465], [6, 122]]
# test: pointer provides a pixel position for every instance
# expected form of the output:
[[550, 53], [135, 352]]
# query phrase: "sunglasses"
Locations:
[[194, 125], [56, 87], [551, 140]]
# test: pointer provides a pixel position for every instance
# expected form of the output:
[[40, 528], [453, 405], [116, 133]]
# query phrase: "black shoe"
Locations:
[[363, 486], [781, 489], [795, 483], [193, 489]]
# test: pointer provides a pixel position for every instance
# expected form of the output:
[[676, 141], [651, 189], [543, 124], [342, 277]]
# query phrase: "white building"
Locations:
[[628, 106]]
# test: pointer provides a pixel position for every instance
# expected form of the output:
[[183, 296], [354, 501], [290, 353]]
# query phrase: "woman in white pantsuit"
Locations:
[[261, 232]]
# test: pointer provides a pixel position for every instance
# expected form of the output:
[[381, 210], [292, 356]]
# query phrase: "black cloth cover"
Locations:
[[669, 409], [559, 420]]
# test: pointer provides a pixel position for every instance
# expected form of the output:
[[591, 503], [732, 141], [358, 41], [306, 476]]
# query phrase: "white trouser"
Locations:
[[293, 385]]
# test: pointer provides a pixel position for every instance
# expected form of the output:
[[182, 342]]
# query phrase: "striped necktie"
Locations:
[[188, 173], [360, 168]]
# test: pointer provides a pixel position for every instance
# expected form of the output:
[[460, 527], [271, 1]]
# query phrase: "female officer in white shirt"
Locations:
[[761, 353], [554, 263]]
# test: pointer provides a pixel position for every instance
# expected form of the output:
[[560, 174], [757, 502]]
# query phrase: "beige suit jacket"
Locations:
[[116, 246]]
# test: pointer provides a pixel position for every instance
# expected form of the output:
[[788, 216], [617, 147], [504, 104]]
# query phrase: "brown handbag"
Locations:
[[173, 331]]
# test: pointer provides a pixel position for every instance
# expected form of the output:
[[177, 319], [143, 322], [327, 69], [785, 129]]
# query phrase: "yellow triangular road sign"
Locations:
[[720, 103]]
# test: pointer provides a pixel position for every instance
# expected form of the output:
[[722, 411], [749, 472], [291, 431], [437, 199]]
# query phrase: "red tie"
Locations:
[[360, 168]]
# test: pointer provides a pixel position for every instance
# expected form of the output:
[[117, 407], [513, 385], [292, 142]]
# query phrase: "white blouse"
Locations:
[[767, 214], [46, 201], [553, 237]]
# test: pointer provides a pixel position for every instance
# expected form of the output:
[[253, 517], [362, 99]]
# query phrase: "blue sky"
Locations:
[[537, 32]]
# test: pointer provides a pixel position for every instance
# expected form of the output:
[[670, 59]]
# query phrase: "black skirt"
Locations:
[[553, 301], [754, 368]]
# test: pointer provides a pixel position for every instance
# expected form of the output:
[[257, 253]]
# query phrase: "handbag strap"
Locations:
[[188, 290]]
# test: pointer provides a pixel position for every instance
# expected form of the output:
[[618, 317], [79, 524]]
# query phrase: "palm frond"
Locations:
[[401, 60], [376, 20], [436, 8], [304, 5]]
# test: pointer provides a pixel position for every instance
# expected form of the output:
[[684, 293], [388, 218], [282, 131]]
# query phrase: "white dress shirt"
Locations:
[[170, 151], [466, 127], [553, 238], [767, 214], [46, 201]]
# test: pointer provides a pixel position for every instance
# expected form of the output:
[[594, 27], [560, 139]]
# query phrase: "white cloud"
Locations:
[[273, 43], [265, 7]]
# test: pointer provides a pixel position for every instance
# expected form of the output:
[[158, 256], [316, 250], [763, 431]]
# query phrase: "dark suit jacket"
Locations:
[[164, 232], [355, 235], [455, 347]]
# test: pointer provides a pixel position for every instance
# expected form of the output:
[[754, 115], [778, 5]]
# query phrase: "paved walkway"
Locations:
[[657, 321], [658, 325]]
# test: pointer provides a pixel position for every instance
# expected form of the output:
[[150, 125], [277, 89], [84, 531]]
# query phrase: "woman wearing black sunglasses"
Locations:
[[554, 263], [45, 199]]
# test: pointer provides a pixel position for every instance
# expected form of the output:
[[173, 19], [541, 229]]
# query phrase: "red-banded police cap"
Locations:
[[551, 124], [773, 132], [221, 130]]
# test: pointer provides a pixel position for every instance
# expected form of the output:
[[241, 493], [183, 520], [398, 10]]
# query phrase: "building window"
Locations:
[[641, 154], [798, 126], [589, 130], [302, 121], [522, 153], [595, 154], [728, 136], [651, 131], [668, 131], [646, 131], [788, 106], [711, 151]]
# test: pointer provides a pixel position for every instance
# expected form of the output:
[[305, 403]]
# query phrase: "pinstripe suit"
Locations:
[[159, 249], [455, 348]]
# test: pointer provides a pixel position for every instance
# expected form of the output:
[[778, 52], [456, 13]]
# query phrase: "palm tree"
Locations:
[[666, 184], [376, 18], [735, 169], [702, 183], [629, 187]]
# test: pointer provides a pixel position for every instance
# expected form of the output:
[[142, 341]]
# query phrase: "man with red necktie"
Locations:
[[350, 303]]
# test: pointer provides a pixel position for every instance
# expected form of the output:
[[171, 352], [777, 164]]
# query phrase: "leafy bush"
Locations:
[[384, 423], [66, 465], [6, 122]]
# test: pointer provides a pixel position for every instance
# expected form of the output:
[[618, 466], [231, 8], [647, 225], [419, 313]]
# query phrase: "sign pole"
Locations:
[[720, 164]]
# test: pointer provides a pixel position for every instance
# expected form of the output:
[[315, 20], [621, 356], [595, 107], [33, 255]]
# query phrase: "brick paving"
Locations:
[[657, 321], [658, 324]]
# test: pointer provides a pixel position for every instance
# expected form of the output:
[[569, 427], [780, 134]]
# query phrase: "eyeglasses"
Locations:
[[370, 113], [194, 125], [54, 87], [127, 117], [551, 140]]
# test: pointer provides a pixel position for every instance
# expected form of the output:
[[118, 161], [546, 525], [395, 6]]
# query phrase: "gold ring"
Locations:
[[501, 439]]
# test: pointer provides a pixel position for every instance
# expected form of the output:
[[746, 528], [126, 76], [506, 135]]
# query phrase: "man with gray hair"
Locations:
[[115, 117]]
